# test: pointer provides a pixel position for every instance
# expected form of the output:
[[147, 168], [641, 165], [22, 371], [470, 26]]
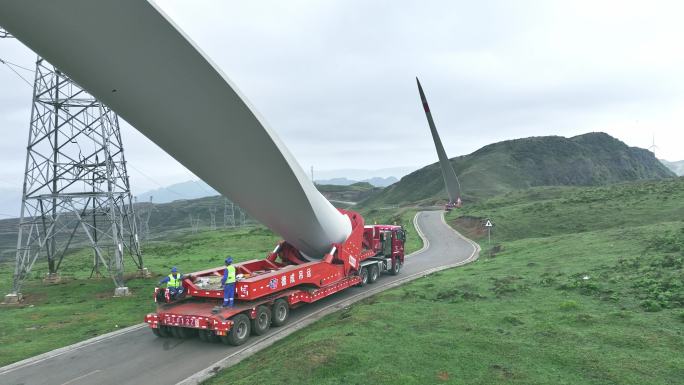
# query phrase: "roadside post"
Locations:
[[489, 226]]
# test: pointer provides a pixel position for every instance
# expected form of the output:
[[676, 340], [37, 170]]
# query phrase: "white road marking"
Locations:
[[81, 377]]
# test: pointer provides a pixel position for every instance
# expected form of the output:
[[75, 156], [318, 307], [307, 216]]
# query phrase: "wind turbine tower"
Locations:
[[653, 146]]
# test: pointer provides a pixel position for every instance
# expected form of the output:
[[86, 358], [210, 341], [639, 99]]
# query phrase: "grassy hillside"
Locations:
[[351, 193], [592, 294], [168, 220], [584, 160]]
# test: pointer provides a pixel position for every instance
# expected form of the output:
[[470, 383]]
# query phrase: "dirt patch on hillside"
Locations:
[[471, 227]]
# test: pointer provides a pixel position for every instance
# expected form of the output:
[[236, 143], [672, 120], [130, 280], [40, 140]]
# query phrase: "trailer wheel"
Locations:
[[175, 331], [186, 332], [165, 331], [239, 333], [162, 331], [262, 321], [373, 273], [364, 277], [396, 266], [212, 337], [281, 312]]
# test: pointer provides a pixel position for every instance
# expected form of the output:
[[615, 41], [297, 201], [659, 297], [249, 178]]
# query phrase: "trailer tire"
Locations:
[[175, 331], [281, 312], [262, 322], [208, 336], [186, 332], [364, 277], [396, 266], [162, 331], [239, 332], [165, 331], [373, 273]]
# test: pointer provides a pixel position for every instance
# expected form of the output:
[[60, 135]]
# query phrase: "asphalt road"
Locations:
[[138, 357]]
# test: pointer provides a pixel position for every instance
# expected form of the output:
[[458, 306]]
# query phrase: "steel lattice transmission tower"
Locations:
[[76, 190], [228, 214]]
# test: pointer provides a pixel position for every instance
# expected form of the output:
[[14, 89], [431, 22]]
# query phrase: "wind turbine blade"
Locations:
[[453, 187], [130, 56]]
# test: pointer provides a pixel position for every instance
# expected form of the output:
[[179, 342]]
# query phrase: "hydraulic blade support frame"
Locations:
[[135, 60], [453, 187]]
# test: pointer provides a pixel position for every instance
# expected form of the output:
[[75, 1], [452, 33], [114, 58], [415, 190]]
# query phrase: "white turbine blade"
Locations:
[[129, 55], [453, 187]]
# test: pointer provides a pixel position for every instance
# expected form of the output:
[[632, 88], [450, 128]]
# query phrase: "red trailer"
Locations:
[[268, 288]]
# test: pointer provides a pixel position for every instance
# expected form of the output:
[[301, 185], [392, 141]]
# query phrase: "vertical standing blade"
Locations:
[[450, 180]]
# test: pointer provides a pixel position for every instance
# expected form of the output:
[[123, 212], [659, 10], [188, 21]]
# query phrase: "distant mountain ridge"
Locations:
[[585, 160], [375, 181], [676, 167], [191, 189], [195, 189]]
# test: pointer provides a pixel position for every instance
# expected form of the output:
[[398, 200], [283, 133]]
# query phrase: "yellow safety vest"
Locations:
[[231, 274], [173, 281]]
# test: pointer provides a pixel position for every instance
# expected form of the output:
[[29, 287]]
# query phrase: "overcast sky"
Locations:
[[336, 79]]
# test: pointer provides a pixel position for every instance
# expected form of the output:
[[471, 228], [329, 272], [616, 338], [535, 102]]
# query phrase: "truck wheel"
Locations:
[[157, 332], [262, 321], [364, 277], [239, 333], [373, 273], [281, 312], [396, 267]]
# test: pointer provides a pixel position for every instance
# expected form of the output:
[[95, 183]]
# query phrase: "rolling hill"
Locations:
[[168, 220], [586, 160], [676, 167]]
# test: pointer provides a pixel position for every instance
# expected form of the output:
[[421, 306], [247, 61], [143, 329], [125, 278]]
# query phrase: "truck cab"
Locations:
[[387, 243]]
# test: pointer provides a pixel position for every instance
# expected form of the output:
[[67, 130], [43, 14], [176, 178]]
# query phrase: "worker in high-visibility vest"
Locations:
[[228, 282], [174, 283]]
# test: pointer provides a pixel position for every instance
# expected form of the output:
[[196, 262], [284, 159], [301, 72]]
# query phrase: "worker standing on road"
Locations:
[[173, 283], [228, 282]]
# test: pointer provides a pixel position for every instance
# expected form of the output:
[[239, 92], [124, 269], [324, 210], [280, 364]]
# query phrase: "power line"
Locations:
[[9, 65], [157, 183], [18, 66]]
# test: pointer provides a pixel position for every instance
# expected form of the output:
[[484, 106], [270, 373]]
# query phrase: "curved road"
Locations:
[[136, 356]]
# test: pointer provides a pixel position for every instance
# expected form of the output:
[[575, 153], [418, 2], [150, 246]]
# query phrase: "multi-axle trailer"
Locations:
[[267, 289]]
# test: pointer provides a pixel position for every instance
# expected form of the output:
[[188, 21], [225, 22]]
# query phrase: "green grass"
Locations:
[[575, 302], [79, 308]]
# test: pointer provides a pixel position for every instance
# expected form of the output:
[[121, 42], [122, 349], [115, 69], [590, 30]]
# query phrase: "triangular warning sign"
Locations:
[[489, 223]]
